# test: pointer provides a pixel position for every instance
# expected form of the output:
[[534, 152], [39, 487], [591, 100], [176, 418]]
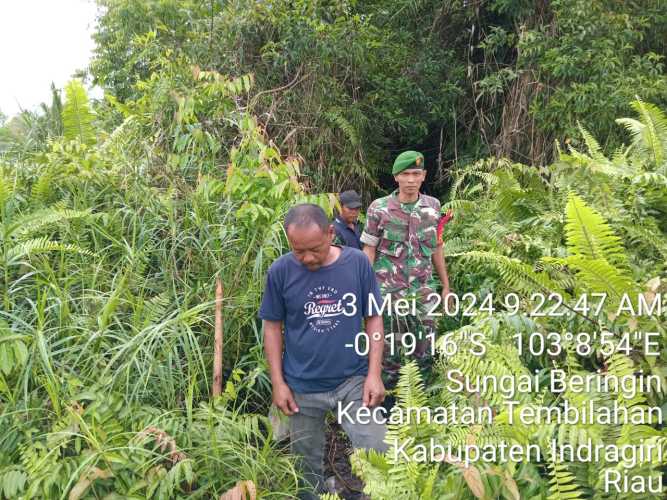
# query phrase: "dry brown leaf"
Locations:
[[474, 480], [649, 296], [511, 486], [239, 492], [653, 284], [471, 438], [165, 442], [86, 480], [451, 459], [252, 491], [470, 473]]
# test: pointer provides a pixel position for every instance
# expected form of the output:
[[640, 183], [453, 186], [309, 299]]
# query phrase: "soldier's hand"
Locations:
[[448, 299], [284, 399], [373, 391]]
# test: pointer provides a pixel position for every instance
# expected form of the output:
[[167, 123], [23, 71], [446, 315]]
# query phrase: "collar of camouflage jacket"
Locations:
[[394, 204]]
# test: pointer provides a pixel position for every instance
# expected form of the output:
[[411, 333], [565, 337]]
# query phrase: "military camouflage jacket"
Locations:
[[404, 241]]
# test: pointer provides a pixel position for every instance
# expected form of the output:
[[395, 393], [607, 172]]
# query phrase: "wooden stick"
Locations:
[[217, 355]]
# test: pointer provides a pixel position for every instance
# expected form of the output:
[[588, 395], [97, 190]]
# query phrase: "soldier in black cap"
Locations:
[[346, 223]]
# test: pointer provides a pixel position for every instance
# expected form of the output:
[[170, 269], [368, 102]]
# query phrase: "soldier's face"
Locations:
[[409, 181], [349, 215], [310, 245]]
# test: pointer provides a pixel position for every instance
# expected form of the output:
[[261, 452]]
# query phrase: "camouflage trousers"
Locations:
[[408, 337]]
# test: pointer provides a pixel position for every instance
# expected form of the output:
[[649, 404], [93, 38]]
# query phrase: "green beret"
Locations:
[[407, 159]]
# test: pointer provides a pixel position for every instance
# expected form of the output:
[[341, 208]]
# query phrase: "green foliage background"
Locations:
[[116, 217], [366, 79]]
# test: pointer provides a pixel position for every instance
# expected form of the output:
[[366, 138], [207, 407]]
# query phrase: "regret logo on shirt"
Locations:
[[323, 308]]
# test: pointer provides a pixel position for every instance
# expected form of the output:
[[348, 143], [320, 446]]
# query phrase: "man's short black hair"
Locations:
[[305, 214]]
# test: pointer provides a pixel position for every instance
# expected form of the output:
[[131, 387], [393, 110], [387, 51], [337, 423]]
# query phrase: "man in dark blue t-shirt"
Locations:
[[346, 223], [319, 295]]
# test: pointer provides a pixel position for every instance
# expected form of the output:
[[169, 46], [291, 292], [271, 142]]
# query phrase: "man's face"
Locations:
[[310, 245], [410, 180], [349, 215]]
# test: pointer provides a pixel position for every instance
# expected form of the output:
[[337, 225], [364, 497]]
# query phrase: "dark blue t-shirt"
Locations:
[[321, 311], [351, 237]]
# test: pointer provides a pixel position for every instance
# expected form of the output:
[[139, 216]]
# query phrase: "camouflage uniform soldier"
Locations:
[[400, 239]]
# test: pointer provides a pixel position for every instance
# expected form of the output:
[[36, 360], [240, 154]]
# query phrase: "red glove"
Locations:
[[444, 219]]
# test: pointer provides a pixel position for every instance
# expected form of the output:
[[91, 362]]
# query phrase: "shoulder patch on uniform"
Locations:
[[380, 202], [430, 201]]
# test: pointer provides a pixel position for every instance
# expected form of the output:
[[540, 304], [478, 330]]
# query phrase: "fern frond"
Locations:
[[42, 218], [501, 360], [457, 205], [456, 245], [410, 387], [12, 482], [42, 189], [575, 434], [623, 367], [562, 485], [40, 245], [482, 169], [77, 117], [652, 135], [427, 490], [336, 118], [598, 275], [634, 127], [593, 145], [372, 467], [6, 189], [393, 475], [576, 164], [646, 232], [589, 235], [170, 483], [515, 274], [653, 179]]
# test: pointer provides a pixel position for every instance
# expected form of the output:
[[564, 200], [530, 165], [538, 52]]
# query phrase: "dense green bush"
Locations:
[[520, 230], [116, 218], [347, 84], [109, 248]]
